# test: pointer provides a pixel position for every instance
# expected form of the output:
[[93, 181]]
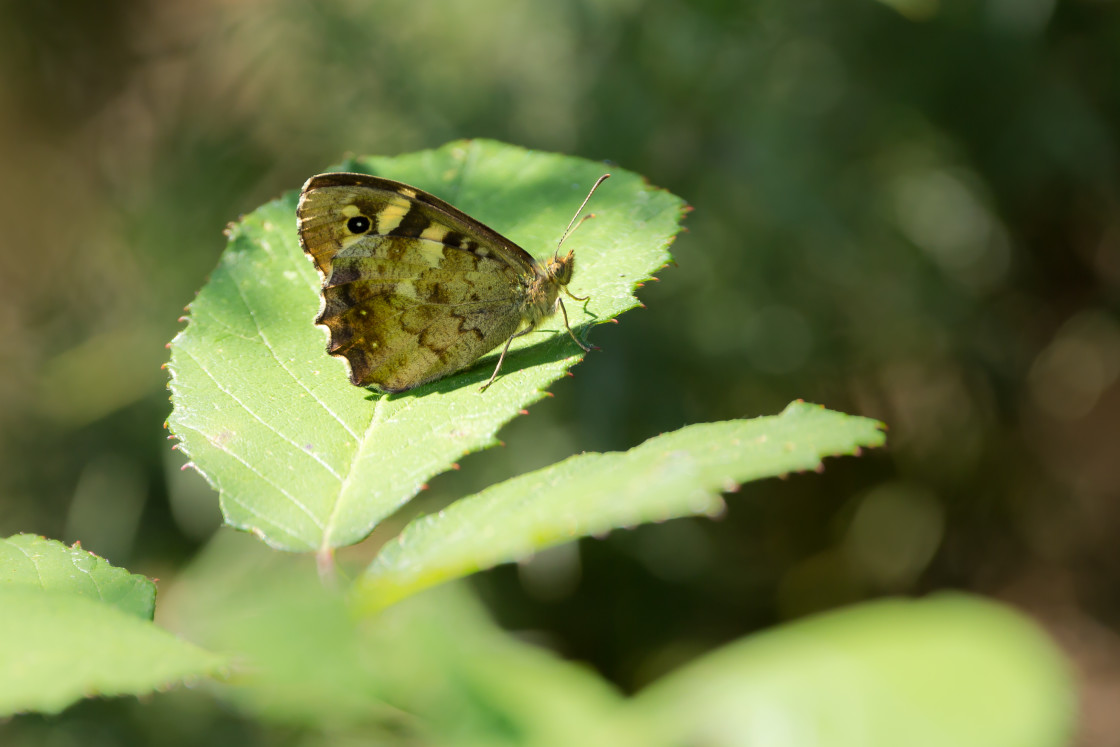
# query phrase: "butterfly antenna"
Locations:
[[572, 225]]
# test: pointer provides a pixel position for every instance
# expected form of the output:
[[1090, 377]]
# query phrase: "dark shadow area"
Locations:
[[516, 360]]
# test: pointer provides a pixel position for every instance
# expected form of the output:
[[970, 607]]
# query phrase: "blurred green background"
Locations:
[[906, 209]]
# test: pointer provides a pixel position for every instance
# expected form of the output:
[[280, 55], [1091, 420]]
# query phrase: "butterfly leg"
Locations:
[[564, 311], [502, 357]]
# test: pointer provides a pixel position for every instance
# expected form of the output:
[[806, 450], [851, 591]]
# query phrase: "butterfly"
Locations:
[[414, 289]]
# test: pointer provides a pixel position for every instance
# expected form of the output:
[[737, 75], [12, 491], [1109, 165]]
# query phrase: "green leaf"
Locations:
[[309, 462], [434, 670], [59, 647], [30, 560], [675, 474], [950, 670]]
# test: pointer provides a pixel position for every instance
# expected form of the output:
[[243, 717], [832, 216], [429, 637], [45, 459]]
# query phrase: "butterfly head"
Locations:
[[560, 268]]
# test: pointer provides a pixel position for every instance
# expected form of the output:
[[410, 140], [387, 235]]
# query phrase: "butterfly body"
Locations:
[[414, 289]]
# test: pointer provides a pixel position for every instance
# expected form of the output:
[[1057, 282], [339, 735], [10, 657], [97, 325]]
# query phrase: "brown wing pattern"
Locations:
[[416, 343], [421, 292], [395, 209], [401, 322]]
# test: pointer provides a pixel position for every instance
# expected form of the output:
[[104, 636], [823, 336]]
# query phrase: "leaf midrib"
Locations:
[[356, 458], [454, 186]]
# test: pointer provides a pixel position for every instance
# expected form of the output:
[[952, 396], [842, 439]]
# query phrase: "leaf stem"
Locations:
[[324, 561]]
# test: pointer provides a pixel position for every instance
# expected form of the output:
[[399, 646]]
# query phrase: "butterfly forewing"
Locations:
[[394, 209]]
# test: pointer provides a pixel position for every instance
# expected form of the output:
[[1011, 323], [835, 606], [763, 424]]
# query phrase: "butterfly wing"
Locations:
[[327, 201], [413, 289]]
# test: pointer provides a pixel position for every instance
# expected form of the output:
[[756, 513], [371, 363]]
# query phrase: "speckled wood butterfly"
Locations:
[[413, 288]]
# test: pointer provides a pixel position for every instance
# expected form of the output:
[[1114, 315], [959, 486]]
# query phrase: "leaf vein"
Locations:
[[376, 420], [230, 330], [272, 352], [228, 494], [260, 420], [265, 518], [34, 565]]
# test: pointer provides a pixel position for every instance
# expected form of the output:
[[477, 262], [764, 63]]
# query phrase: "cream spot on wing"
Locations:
[[435, 233], [405, 288], [349, 239], [426, 252], [391, 215], [482, 251], [408, 191], [351, 210]]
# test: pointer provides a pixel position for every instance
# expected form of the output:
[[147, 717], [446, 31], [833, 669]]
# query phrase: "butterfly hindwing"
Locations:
[[409, 344]]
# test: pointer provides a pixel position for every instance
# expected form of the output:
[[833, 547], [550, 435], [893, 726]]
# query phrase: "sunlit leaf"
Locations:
[[309, 462], [676, 474], [435, 668], [30, 560], [950, 670], [58, 647]]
